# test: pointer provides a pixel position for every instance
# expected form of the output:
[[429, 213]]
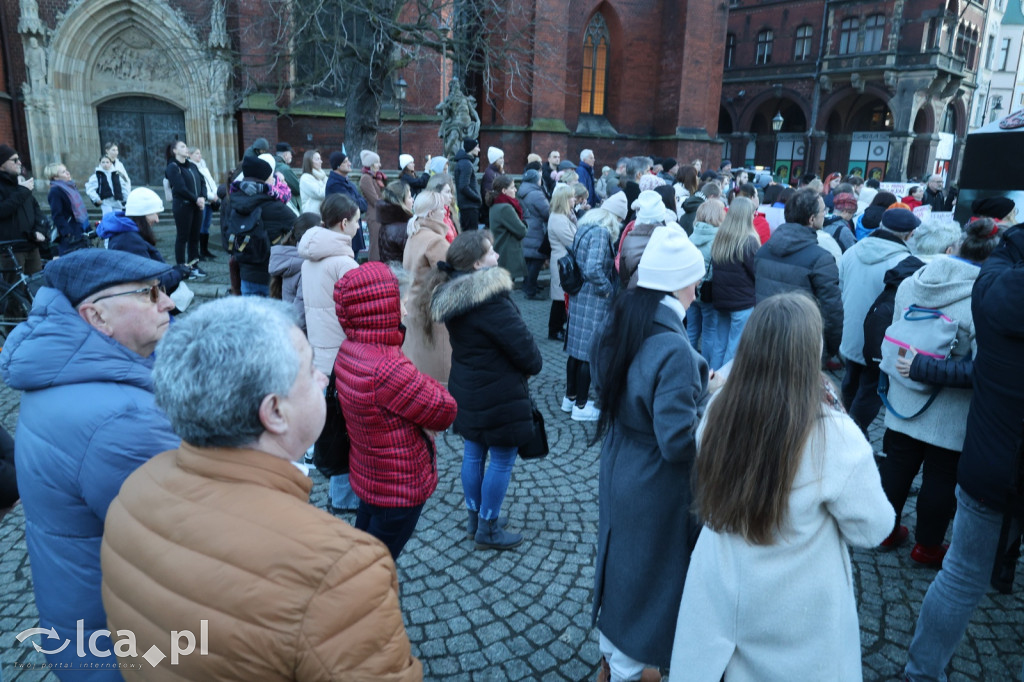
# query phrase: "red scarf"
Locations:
[[502, 198], [378, 176]]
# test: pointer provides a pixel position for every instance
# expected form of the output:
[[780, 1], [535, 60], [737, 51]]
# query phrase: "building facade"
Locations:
[[879, 88], [142, 73]]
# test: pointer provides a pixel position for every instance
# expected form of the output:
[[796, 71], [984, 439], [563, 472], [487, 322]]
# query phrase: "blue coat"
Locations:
[[586, 174], [338, 183], [124, 235], [88, 419]]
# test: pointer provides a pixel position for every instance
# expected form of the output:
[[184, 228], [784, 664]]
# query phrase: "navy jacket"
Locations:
[[467, 190], [124, 235]]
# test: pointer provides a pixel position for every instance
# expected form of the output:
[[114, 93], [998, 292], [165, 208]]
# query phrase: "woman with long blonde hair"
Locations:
[[426, 342], [784, 482], [732, 261]]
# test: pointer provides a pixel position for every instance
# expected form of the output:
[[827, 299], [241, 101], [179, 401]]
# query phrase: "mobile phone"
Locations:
[[902, 352]]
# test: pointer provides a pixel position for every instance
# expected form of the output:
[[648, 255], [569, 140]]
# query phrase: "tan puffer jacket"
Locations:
[[328, 256], [229, 536]]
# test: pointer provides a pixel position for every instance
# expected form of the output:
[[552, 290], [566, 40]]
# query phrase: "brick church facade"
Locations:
[[622, 77]]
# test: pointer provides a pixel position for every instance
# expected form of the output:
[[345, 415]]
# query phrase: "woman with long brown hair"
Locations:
[[784, 482]]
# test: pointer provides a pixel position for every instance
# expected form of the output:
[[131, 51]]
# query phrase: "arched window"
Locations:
[[949, 120], [874, 29], [848, 36], [595, 66], [764, 47], [802, 44], [730, 49]]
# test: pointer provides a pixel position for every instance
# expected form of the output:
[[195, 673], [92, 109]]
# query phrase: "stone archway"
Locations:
[[134, 48]]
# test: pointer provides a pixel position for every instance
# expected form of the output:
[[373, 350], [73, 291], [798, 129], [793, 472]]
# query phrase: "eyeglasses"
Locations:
[[154, 292]]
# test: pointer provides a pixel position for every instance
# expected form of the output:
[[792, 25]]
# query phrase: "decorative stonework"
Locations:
[[131, 57]]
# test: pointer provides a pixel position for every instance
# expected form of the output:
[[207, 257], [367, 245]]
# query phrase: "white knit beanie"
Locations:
[[142, 201], [649, 207], [404, 160], [368, 158], [493, 154], [616, 205], [270, 161], [670, 261]]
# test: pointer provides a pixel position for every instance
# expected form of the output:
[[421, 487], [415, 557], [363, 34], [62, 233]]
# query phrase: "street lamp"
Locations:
[[401, 90], [777, 122]]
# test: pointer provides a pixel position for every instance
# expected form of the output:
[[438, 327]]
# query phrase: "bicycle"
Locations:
[[15, 297]]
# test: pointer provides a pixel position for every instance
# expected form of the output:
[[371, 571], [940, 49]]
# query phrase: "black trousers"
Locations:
[[860, 393], [936, 501], [469, 218], [577, 380], [556, 318], [188, 219]]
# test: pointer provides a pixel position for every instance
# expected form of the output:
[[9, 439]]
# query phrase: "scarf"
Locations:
[[452, 232], [78, 209], [501, 198], [378, 176]]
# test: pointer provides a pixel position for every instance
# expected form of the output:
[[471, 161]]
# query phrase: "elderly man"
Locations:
[[19, 212], [283, 157], [933, 195], [586, 172], [218, 536], [88, 419]]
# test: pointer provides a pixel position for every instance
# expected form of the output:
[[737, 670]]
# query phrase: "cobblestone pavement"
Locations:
[[525, 614]]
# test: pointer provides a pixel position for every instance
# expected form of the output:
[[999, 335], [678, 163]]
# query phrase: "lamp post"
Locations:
[[777, 122], [401, 90]]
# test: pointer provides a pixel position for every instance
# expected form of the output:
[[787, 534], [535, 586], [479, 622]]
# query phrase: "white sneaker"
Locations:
[[567, 404], [587, 413]]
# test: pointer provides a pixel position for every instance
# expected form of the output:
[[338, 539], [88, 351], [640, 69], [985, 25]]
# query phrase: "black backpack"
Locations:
[[245, 237], [570, 277], [880, 314]]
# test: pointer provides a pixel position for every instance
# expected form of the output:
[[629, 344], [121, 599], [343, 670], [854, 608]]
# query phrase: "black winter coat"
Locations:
[[733, 282], [989, 465], [467, 190], [394, 231], [277, 220], [792, 261], [417, 183], [187, 183], [19, 213], [493, 355]]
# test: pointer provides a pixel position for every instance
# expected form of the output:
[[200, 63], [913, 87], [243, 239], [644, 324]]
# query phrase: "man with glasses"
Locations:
[[19, 212], [88, 419]]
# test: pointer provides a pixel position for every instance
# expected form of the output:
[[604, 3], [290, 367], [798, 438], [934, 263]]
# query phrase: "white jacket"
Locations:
[[328, 256], [787, 611], [312, 188]]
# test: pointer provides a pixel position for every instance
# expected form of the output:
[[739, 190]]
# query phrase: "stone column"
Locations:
[[899, 150]]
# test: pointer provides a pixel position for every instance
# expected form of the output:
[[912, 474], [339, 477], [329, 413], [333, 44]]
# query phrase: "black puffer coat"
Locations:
[[493, 354], [989, 466], [394, 231], [734, 281], [19, 212], [792, 260], [276, 216]]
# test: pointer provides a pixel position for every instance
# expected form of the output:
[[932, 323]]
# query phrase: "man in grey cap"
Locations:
[[88, 419]]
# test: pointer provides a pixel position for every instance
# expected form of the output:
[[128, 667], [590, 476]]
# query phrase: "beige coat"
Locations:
[[422, 252], [370, 190], [228, 536], [561, 232], [328, 256]]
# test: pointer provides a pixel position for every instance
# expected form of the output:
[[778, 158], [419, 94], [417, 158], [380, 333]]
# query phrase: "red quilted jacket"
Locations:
[[387, 402]]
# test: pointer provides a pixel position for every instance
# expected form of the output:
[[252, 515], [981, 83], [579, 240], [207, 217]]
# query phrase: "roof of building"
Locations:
[[1014, 16]]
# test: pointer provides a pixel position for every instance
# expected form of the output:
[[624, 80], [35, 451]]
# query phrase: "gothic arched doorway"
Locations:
[[142, 127]]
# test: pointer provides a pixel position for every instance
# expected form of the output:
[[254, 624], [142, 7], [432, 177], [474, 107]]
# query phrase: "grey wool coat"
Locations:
[[589, 308], [646, 530]]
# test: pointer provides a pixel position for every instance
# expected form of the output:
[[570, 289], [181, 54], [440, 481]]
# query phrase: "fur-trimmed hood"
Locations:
[[465, 292]]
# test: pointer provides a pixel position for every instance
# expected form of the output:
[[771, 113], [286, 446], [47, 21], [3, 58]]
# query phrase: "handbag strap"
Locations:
[[883, 393]]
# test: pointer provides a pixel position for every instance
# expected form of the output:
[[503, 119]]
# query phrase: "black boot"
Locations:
[[204, 248], [473, 520], [490, 536]]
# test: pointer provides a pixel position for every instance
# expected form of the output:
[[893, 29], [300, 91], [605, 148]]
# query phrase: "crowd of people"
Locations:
[[696, 335]]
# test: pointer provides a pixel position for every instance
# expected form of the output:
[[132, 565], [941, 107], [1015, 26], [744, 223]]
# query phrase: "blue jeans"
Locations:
[[253, 289], [730, 327], [342, 495], [956, 590], [391, 525], [207, 219], [485, 486], [701, 325]]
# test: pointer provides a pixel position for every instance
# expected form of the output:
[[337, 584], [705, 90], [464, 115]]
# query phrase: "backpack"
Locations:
[[930, 332], [880, 314], [705, 289], [570, 277], [245, 237]]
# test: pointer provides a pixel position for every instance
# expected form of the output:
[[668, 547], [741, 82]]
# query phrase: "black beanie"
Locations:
[[469, 144], [256, 168], [6, 153]]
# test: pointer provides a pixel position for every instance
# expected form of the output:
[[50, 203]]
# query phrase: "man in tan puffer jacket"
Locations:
[[218, 538]]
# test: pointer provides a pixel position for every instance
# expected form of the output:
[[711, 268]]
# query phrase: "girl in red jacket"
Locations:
[[391, 409]]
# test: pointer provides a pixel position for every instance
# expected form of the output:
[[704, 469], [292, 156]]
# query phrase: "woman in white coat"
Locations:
[[313, 183], [784, 482]]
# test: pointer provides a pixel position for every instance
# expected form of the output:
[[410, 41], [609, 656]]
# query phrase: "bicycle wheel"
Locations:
[[14, 309]]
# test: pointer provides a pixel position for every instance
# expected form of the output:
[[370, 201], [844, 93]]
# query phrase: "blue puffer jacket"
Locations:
[[88, 419]]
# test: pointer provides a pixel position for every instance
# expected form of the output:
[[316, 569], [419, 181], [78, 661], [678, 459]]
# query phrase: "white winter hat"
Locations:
[[142, 201], [493, 154], [272, 162], [670, 261], [616, 205], [404, 160], [368, 158], [649, 207]]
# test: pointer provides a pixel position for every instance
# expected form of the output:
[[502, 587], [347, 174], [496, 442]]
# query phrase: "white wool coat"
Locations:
[[328, 256], [312, 188], [787, 611]]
